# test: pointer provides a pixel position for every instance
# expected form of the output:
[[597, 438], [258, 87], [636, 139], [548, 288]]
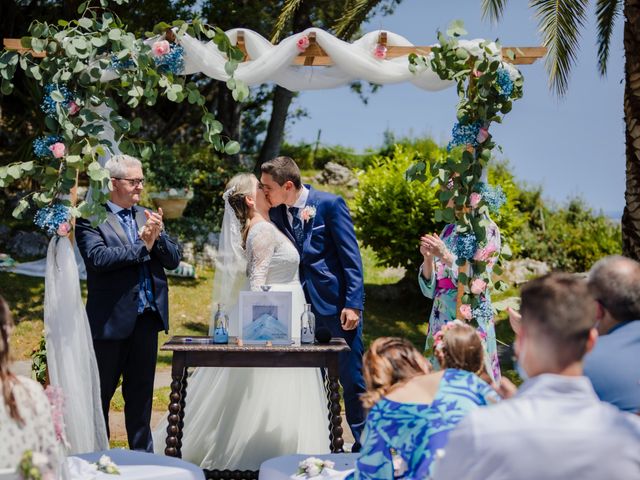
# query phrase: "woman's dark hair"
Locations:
[[7, 379]]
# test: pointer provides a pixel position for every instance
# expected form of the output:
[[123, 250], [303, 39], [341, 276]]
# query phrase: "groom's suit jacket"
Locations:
[[113, 274], [330, 262]]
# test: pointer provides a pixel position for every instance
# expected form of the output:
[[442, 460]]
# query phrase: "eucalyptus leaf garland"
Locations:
[[77, 53], [487, 87]]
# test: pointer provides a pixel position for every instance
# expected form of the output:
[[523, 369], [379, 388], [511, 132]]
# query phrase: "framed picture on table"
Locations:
[[265, 316]]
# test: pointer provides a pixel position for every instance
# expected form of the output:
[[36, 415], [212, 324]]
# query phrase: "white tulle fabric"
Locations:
[[236, 418], [351, 61], [71, 360]]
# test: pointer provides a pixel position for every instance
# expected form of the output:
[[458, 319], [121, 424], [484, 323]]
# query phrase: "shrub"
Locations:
[[390, 213], [307, 157], [570, 239]]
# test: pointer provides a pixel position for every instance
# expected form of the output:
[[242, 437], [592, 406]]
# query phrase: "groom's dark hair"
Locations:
[[283, 169]]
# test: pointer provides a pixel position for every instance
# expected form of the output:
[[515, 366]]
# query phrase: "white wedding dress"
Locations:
[[236, 418]]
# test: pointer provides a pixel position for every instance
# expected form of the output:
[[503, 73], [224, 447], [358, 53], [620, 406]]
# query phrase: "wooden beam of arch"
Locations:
[[314, 55]]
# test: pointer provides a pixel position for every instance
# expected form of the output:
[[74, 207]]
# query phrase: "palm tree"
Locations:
[[560, 22]]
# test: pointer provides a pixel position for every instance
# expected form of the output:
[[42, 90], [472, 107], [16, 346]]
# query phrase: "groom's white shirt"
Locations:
[[300, 203]]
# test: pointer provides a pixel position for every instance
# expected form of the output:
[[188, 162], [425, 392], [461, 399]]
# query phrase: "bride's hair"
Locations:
[[242, 185], [7, 379], [388, 362]]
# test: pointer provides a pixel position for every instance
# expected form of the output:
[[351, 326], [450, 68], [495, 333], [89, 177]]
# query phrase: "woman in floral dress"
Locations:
[[412, 411], [438, 279]]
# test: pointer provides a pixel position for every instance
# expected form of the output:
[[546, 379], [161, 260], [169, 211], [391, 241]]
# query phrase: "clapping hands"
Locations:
[[432, 245], [152, 228]]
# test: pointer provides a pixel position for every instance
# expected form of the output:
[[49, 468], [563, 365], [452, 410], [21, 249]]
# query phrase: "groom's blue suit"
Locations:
[[331, 276]]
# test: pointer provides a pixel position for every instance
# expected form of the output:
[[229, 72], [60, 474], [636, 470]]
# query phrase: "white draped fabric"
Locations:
[[273, 63], [71, 360]]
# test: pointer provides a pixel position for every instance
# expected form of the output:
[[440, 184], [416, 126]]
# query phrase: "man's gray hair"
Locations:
[[615, 282], [119, 164]]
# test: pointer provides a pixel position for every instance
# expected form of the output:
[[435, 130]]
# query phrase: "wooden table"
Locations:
[[198, 352]]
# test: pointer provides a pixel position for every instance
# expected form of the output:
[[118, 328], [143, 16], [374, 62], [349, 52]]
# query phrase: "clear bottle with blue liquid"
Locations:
[[221, 325]]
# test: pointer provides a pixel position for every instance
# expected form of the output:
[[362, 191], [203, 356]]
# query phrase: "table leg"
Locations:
[[176, 408], [335, 419]]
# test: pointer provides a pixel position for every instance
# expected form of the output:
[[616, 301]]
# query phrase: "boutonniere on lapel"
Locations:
[[308, 213]]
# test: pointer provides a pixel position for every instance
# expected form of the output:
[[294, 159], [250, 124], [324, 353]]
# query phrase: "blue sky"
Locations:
[[572, 146]]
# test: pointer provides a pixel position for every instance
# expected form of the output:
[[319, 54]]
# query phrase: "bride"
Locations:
[[235, 418]]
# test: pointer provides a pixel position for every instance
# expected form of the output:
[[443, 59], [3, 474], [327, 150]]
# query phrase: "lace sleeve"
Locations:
[[261, 244]]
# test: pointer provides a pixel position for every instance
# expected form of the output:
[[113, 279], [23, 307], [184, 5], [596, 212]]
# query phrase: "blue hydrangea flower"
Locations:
[[483, 312], [50, 218], [465, 246], [464, 134], [41, 145], [172, 62], [493, 196], [117, 64], [48, 105], [505, 84]]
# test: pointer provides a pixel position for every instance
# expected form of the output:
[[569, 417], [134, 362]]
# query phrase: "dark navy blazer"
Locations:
[[113, 269], [330, 263]]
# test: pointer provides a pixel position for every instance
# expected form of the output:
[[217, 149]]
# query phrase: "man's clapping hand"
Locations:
[[152, 228]]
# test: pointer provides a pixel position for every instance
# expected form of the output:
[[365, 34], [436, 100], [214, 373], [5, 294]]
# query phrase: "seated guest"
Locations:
[[411, 410], [555, 427], [613, 364], [26, 422]]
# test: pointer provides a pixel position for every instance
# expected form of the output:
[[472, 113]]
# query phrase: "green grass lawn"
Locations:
[[390, 308]]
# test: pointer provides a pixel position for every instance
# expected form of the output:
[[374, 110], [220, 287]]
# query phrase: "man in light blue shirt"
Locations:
[[613, 366], [555, 427]]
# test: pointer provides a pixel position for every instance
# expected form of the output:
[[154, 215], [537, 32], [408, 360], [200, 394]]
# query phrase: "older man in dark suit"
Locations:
[[127, 295]]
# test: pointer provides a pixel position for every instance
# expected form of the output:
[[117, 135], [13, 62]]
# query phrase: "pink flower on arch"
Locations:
[[465, 311], [58, 149], [64, 229], [302, 43], [483, 134], [478, 286], [160, 48], [380, 52], [73, 108], [474, 199]]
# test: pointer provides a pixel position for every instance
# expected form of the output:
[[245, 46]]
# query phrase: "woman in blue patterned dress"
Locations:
[[438, 279], [412, 411]]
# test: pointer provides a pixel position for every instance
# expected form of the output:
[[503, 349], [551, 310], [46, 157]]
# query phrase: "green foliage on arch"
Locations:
[[77, 54], [487, 87]]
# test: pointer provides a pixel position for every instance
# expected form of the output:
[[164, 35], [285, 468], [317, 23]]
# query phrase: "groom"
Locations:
[[320, 225]]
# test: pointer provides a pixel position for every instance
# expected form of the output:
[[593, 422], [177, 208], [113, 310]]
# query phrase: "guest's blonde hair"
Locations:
[[7, 378], [389, 362], [460, 347], [242, 185]]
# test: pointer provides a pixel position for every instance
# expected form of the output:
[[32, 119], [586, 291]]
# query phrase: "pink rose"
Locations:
[[478, 286], [380, 52], [303, 43], [477, 73], [465, 311], [484, 254], [73, 108], [64, 229], [483, 134], [474, 199], [161, 47], [57, 149]]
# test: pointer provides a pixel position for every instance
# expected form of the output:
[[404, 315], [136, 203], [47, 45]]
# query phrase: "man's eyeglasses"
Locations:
[[134, 182]]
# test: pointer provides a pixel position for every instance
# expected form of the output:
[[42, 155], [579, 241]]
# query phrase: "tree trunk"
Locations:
[[631, 215], [275, 132]]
